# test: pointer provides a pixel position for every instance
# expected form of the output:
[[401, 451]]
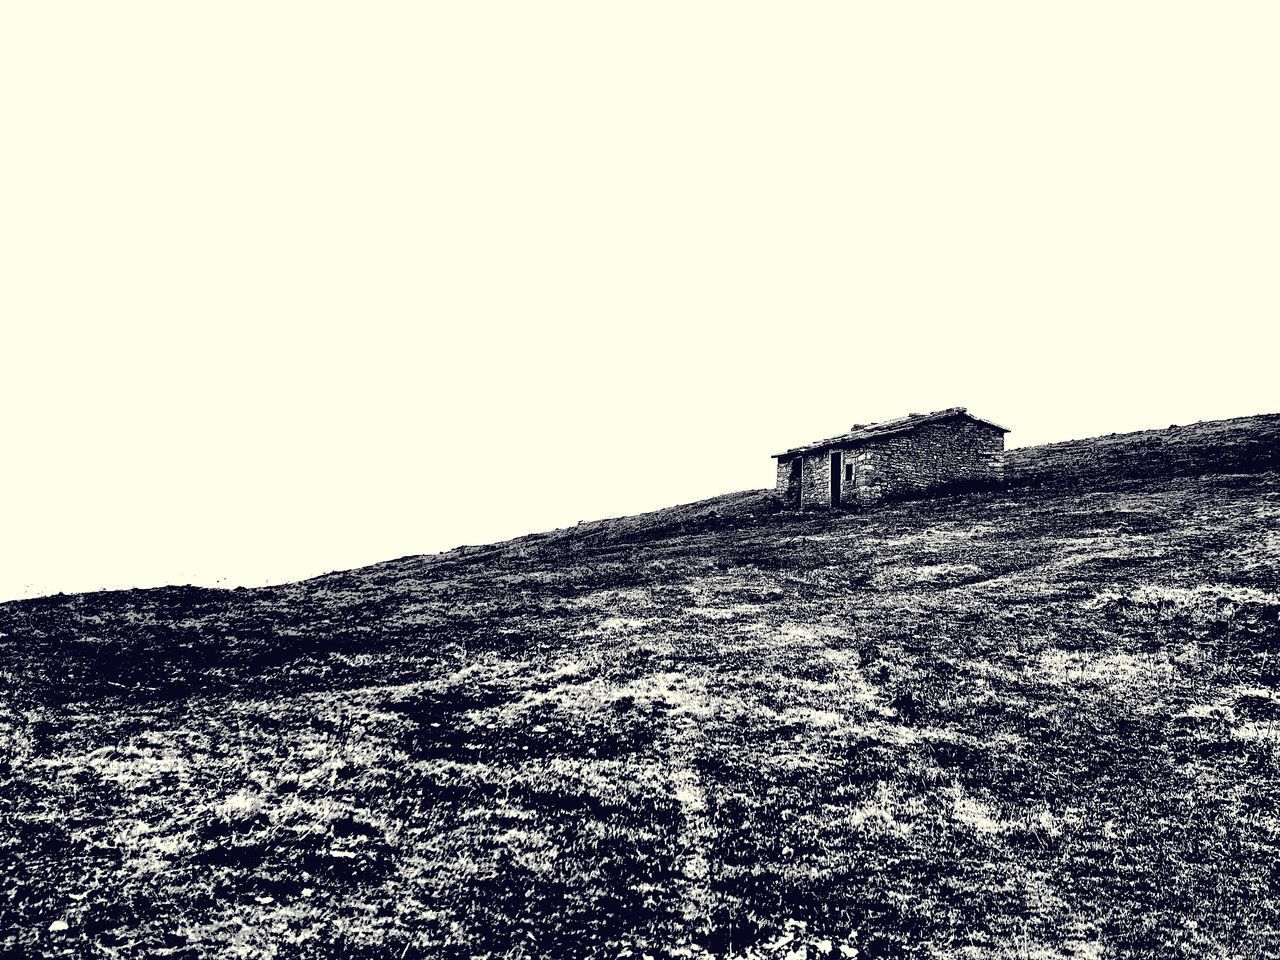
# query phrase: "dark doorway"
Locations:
[[793, 483], [835, 478]]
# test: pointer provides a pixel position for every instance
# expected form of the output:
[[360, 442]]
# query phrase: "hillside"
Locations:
[[1037, 723]]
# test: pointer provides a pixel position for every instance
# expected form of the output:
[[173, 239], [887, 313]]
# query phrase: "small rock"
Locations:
[[57, 926]]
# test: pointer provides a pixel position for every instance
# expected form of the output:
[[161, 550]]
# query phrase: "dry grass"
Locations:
[[1037, 724]]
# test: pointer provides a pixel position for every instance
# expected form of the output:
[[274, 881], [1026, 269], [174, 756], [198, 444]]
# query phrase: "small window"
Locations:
[[848, 473]]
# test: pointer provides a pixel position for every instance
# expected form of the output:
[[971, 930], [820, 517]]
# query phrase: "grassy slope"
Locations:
[[1041, 723]]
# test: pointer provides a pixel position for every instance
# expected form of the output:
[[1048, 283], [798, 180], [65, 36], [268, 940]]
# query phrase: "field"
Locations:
[[1037, 723]]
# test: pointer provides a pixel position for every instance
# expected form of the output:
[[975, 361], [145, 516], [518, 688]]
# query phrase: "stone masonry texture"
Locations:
[[957, 451]]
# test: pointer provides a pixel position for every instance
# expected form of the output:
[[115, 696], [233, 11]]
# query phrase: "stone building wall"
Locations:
[[950, 452], [787, 488], [815, 486], [863, 460]]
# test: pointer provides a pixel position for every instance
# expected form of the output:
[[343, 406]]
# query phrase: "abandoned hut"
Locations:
[[898, 458]]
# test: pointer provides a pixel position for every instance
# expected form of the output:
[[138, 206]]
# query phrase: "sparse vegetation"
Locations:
[[1037, 723]]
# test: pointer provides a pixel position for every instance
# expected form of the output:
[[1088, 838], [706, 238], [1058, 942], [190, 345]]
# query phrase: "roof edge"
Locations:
[[889, 428]]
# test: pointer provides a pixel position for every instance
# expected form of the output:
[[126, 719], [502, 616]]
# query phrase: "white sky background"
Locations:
[[287, 288]]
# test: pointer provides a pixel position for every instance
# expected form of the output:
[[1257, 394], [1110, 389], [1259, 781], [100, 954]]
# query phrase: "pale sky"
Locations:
[[294, 287]]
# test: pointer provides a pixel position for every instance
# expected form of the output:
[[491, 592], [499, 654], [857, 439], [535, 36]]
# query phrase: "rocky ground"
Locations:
[[1037, 723]]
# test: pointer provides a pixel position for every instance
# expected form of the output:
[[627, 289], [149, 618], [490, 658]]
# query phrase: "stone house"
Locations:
[[898, 458]]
